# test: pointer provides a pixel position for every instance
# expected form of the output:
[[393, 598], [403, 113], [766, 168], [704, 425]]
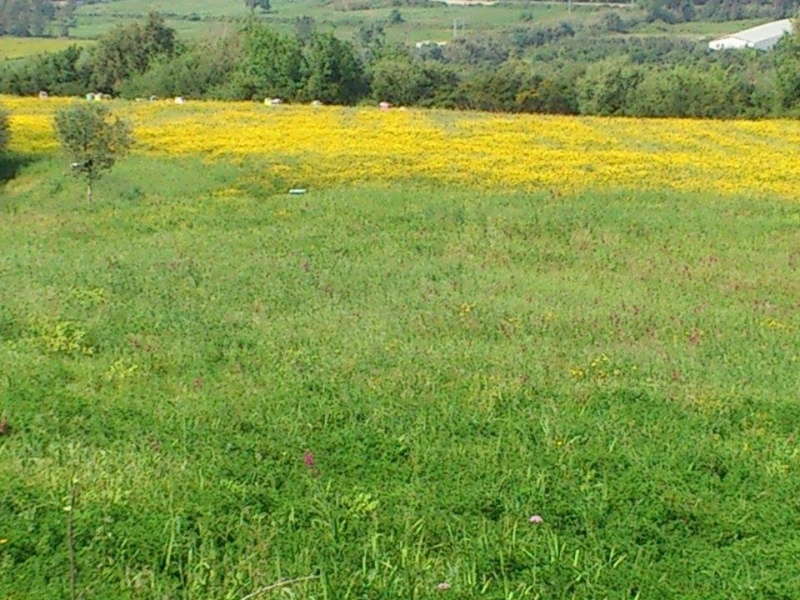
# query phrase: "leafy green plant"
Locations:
[[93, 140]]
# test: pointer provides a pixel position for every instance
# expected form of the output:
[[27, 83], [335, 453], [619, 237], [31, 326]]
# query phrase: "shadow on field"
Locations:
[[11, 164]]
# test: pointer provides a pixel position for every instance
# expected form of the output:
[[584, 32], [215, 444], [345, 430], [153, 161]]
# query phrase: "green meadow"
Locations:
[[367, 393], [196, 19], [14, 47]]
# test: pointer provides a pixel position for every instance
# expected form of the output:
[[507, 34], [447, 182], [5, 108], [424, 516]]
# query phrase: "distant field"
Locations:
[[13, 47], [701, 28], [435, 22], [195, 18], [95, 26], [483, 357]]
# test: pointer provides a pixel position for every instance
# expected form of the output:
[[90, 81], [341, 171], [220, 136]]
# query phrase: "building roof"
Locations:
[[764, 32]]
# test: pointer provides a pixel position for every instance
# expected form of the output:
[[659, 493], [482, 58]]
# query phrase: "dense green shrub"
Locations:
[[608, 88], [63, 73]]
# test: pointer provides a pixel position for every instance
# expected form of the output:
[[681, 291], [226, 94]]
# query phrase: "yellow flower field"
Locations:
[[332, 145]]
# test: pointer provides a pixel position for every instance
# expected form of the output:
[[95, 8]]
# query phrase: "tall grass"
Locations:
[[375, 388]]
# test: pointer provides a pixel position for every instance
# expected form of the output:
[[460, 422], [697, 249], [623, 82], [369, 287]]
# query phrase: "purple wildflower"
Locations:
[[308, 458]]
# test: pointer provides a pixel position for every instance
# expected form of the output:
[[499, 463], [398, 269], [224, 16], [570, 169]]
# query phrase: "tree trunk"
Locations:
[[89, 191]]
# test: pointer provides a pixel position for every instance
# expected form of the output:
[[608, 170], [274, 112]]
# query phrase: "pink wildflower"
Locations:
[[308, 458]]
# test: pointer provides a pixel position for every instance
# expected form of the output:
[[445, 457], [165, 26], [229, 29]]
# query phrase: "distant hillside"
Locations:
[[90, 18]]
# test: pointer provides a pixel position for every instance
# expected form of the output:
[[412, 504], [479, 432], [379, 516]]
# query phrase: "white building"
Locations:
[[762, 37]]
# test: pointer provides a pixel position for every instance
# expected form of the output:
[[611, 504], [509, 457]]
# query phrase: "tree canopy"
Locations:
[[130, 49], [556, 68]]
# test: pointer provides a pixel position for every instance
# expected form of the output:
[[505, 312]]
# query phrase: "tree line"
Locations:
[[562, 73]]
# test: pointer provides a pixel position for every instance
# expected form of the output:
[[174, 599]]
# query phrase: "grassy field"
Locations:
[[13, 47], [435, 22], [194, 19], [373, 387]]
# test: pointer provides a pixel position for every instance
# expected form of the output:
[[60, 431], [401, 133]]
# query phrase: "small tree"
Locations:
[[92, 139], [254, 4], [395, 18], [334, 73]]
